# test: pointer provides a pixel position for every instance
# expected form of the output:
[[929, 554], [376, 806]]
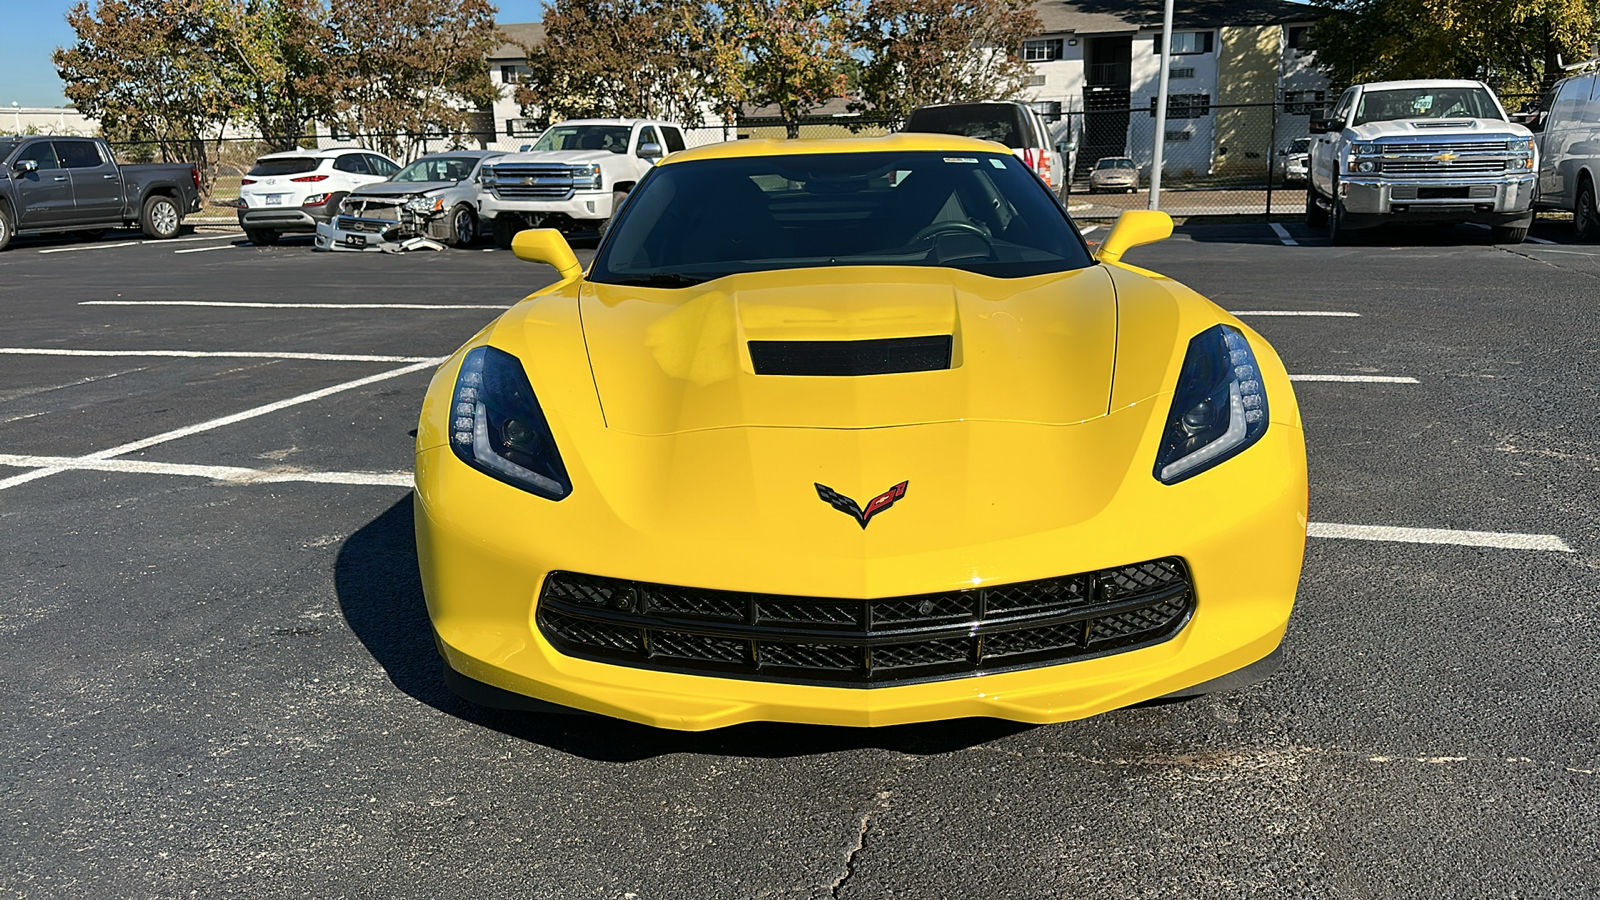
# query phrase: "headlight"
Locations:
[[1219, 409], [1522, 145], [423, 205], [496, 425], [586, 177], [1365, 149]]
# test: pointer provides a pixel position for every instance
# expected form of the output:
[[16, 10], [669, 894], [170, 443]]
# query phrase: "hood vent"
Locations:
[[877, 357]]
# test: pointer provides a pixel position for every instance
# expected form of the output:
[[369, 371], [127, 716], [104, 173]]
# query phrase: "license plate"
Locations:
[[355, 240], [274, 199]]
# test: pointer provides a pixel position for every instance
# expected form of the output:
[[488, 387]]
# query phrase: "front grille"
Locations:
[[865, 643], [371, 226], [875, 357], [1446, 147], [1440, 167], [526, 181]]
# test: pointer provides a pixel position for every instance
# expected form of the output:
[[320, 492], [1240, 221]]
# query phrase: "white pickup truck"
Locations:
[[573, 176], [1421, 151]]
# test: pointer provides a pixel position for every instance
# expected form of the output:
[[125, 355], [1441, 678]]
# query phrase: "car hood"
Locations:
[[402, 189], [1428, 129], [1038, 349], [557, 156]]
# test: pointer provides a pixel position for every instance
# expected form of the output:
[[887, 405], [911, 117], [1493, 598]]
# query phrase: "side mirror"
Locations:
[[651, 150], [1318, 126], [1134, 228], [546, 245], [27, 166], [1066, 146]]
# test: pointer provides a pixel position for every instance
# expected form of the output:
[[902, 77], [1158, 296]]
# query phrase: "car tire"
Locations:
[[1316, 216], [6, 228], [261, 237], [505, 231], [1585, 215], [160, 218], [463, 226], [1509, 234], [1339, 233]]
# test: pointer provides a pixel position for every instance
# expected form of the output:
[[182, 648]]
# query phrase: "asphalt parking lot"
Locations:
[[219, 677]]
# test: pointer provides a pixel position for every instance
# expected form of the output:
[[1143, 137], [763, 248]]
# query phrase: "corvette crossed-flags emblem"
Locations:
[[850, 508]]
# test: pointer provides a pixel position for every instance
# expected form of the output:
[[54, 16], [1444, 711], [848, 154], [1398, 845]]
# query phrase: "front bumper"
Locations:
[[1490, 201], [287, 218], [582, 205], [1240, 529], [1108, 184]]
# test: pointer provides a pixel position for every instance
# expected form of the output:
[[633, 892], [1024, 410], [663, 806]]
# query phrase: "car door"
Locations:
[[353, 172], [96, 183], [1325, 149], [46, 194]]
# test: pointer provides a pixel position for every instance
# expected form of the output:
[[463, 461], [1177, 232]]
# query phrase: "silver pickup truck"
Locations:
[[74, 185], [1420, 151]]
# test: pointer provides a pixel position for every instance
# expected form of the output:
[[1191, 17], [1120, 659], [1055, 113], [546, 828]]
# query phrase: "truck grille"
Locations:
[[1440, 167], [865, 643], [1447, 147], [523, 181]]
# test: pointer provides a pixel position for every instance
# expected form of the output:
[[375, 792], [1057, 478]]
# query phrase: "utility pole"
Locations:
[[1161, 109]]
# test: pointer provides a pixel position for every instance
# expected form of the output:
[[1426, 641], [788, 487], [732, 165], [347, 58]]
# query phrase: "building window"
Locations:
[[515, 74], [1181, 72], [523, 127], [1035, 81], [1185, 43], [1297, 36], [1185, 106], [1050, 110], [1041, 51], [1302, 103], [1178, 135]]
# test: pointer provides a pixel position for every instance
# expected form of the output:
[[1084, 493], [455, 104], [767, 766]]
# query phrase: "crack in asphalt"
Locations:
[[1546, 262], [850, 858]]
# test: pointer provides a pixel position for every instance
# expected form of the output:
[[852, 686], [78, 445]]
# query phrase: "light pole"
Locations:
[[1161, 109]]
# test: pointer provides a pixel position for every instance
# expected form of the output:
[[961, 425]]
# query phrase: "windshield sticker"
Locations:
[[996, 163], [960, 159]]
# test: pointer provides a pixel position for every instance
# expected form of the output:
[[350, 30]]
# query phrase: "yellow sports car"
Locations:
[[857, 432]]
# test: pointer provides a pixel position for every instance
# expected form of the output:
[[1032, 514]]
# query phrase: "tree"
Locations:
[[1515, 46], [792, 54], [272, 55], [623, 58], [147, 68], [936, 51], [402, 70]]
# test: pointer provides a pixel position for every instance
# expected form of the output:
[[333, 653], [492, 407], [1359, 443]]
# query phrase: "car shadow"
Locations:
[[380, 593]]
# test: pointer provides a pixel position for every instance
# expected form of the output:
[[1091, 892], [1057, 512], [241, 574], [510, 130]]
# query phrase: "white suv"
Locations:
[[298, 189]]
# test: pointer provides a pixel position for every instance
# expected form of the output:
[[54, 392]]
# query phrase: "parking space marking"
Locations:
[[1538, 240], [220, 354], [213, 424], [1358, 379], [1283, 235], [1088, 231], [209, 249], [244, 305], [1297, 312], [1503, 540], [201, 237], [234, 474]]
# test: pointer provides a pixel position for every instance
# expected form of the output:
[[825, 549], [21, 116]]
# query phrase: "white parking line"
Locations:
[[1283, 235], [188, 430], [221, 354], [1358, 379], [1534, 240], [209, 249], [1297, 312], [1088, 231], [1497, 539], [202, 237], [244, 305], [234, 474]]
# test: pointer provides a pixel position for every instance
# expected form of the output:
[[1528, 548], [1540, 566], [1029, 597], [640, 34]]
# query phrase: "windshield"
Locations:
[[984, 212], [999, 122], [585, 137], [7, 148], [1300, 145], [1426, 103], [1114, 164], [438, 168], [285, 166]]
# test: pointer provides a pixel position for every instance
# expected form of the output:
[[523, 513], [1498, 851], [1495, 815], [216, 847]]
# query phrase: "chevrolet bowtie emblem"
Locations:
[[862, 516], [1447, 157]]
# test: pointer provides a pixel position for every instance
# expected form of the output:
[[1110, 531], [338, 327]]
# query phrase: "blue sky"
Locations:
[[34, 28]]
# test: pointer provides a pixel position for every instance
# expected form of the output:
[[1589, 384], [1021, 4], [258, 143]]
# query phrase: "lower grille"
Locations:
[[1440, 167], [865, 643], [370, 226]]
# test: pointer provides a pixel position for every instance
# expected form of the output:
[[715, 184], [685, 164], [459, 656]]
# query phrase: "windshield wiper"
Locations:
[[664, 280]]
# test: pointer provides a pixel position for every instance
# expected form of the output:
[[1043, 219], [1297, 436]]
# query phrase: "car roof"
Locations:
[[610, 122], [770, 147], [474, 154], [1421, 83], [318, 154]]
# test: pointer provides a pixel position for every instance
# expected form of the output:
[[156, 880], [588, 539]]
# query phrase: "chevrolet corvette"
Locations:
[[857, 432]]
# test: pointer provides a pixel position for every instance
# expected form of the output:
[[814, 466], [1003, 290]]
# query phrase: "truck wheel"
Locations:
[[1339, 233], [463, 226], [1316, 216], [160, 219], [261, 237], [1510, 234], [505, 230], [5, 227], [617, 199], [1585, 217]]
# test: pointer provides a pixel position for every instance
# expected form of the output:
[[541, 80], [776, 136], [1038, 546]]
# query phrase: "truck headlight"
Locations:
[[1522, 145], [586, 177], [1362, 165], [1367, 148], [1218, 409]]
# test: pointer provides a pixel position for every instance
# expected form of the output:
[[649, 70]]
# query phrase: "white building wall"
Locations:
[[46, 120], [1192, 153]]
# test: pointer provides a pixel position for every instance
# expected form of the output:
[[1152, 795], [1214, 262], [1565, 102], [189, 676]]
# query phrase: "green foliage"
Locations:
[[1514, 45], [791, 54], [934, 51]]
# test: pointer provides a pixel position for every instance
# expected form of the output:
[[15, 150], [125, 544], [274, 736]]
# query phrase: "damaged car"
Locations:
[[430, 204]]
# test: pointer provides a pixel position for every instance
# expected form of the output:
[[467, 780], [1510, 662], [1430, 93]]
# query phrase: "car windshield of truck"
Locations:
[[694, 221], [438, 168], [585, 137], [285, 166], [998, 122], [1426, 103], [7, 148], [1114, 163], [1300, 145]]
